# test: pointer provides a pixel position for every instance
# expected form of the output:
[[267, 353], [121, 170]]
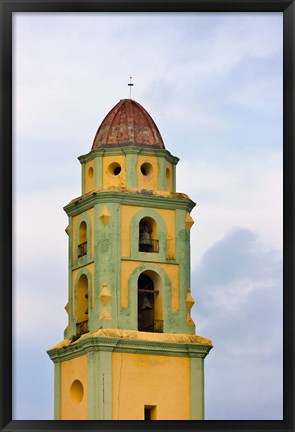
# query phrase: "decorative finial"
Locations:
[[130, 85]]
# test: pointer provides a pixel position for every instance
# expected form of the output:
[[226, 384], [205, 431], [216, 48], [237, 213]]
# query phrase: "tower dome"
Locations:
[[128, 123]]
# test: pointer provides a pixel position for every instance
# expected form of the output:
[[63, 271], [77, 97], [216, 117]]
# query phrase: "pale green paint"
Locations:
[[83, 171], [131, 174], [162, 174], [183, 257], [98, 172], [107, 262], [197, 388], [105, 385], [173, 177], [57, 391], [70, 331], [93, 385]]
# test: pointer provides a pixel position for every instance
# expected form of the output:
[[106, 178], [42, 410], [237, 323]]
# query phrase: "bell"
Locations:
[[145, 238], [146, 304]]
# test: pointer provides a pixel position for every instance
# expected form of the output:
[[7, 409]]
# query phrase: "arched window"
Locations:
[[149, 306], [82, 244], [148, 235], [82, 305]]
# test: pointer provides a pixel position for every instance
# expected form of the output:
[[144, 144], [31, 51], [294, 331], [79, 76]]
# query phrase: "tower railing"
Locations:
[[82, 328], [151, 245], [82, 249]]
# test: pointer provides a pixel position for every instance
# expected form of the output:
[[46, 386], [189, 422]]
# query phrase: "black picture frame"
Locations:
[[7, 8]]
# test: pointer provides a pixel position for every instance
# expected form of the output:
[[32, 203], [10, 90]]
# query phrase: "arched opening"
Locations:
[[82, 305], [149, 303], [90, 179], [168, 180], [82, 244], [148, 235]]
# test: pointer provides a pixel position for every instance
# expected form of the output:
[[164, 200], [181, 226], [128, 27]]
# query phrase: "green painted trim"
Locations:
[[57, 391], [89, 343], [140, 198], [116, 151], [182, 245], [107, 262], [197, 388], [105, 385], [131, 174], [70, 331], [134, 235], [98, 174], [93, 385], [112, 344], [162, 174], [173, 177], [83, 179]]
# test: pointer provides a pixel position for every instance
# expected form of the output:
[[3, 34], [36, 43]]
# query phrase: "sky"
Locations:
[[212, 82]]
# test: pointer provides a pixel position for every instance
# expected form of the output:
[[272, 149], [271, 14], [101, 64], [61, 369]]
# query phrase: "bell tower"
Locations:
[[129, 351]]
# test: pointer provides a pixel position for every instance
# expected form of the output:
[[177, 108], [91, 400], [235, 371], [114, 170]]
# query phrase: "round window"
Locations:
[[146, 169], [77, 391], [114, 168]]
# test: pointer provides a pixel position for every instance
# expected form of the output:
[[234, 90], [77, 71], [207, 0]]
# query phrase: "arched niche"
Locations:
[[157, 224]]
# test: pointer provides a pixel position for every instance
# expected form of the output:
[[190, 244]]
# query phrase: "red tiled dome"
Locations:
[[128, 123]]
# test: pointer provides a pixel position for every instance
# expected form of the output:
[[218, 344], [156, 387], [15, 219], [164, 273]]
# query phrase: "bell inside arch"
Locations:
[[146, 304]]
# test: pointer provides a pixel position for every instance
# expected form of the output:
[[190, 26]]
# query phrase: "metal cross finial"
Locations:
[[130, 85]]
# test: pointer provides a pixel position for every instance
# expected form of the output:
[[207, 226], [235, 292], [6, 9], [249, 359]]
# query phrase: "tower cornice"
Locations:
[[130, 341], [137, 197], [127, 149]]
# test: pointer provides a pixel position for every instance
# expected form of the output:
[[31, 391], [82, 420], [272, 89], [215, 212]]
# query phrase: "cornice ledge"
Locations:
[[130, 196], [128, 150]]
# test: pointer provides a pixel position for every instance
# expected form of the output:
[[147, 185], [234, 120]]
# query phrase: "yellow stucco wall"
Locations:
[[73, 407], [109, 179], [127, 213], [149, 181], [75, 240], [143, 379], [127, 268]]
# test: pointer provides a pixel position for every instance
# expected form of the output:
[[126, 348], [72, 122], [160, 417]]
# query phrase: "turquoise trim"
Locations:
[[57, 391], [134, 235], [197, 388]]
